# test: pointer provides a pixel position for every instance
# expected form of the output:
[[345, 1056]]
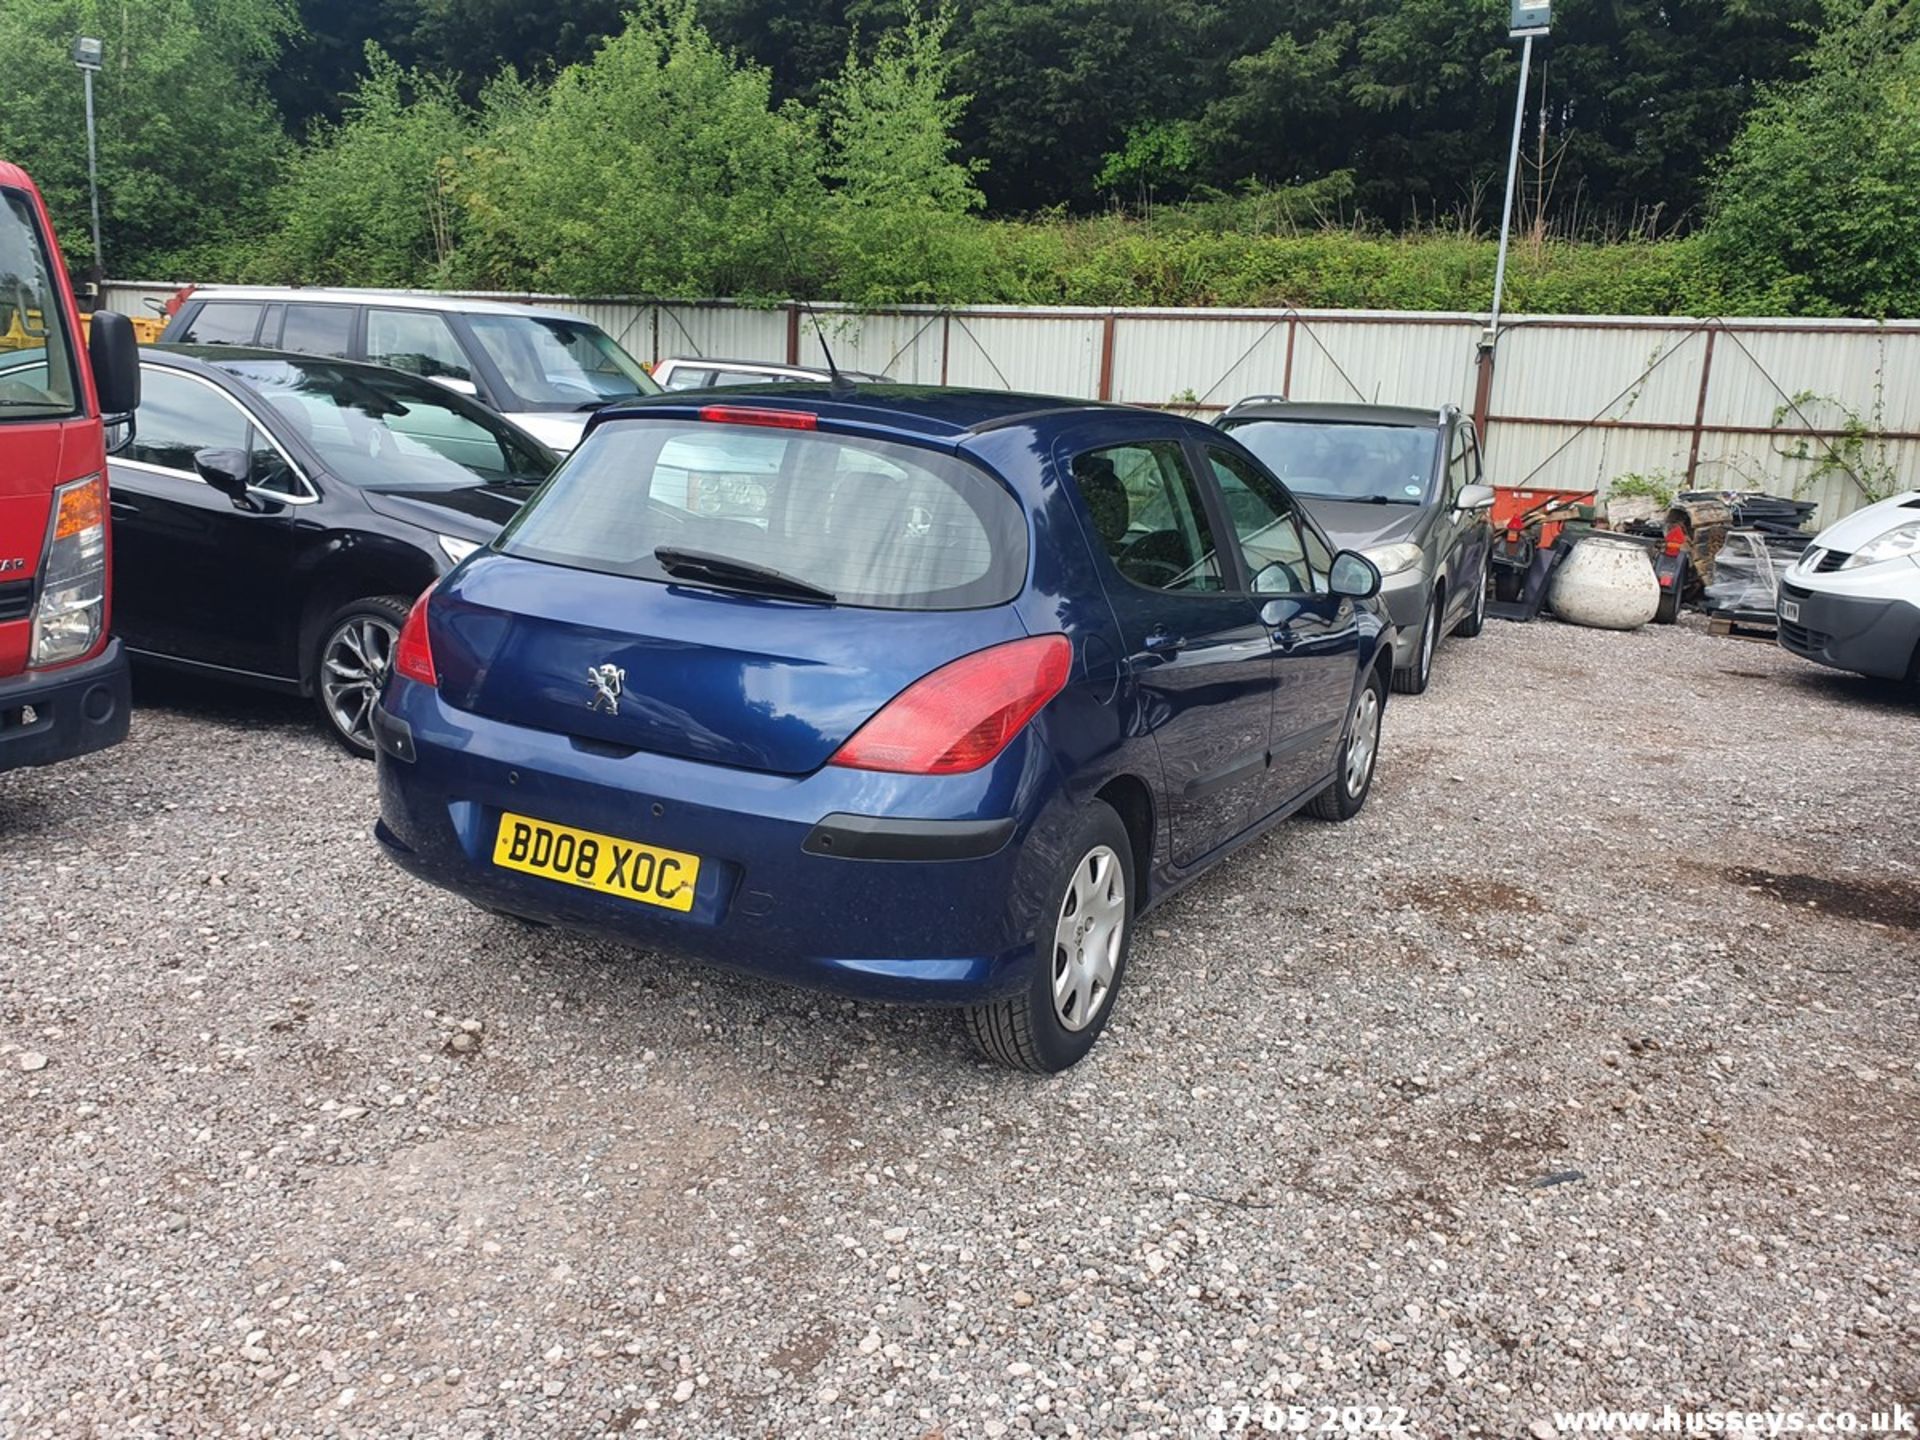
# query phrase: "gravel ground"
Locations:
[[1578, 1071]]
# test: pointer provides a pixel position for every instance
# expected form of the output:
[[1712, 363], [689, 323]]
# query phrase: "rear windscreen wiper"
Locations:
[[734, 574]]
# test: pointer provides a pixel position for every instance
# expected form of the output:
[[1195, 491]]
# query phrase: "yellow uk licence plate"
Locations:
[[596, 862]]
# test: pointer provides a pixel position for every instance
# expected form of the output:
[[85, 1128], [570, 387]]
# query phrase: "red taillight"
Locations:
[[413, 651], [963, 714], [746, 415], [1676, 539]]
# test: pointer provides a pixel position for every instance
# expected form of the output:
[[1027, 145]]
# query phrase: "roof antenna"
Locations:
[[839, 387]]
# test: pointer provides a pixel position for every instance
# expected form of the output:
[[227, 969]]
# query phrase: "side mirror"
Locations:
[[114, 359], [1354, 577], [227, 471], [1475, 497], [457, 385]]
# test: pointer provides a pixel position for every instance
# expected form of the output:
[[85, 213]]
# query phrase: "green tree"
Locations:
[[189, 143], [658, 167], [902, 201], [374, 200], [1816, 208]]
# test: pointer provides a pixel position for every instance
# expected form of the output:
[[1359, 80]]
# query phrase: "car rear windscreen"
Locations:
[[868, 522]]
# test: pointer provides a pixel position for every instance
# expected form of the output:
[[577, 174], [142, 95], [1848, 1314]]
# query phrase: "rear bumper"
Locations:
[[1869, 635], [75, 710], [921, 889]]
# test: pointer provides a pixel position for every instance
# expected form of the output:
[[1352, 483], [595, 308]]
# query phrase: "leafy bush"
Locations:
[[1814, 212]]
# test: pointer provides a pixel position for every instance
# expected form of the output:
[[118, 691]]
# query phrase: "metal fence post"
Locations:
[[1700, 409], [1106, 357]]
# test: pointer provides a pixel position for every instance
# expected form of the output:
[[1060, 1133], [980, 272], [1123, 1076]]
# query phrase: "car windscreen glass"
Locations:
[[1379, 464], [37, 379], [387, 431], [559, 364], [867, 522]]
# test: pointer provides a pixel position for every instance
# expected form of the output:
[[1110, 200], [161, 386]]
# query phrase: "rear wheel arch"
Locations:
[[1129, 798]]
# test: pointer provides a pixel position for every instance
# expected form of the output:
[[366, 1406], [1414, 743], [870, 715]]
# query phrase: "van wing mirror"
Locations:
[[114, 358], [1475, 497]]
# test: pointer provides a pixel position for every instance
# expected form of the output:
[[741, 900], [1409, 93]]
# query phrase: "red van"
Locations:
[[63, 680]]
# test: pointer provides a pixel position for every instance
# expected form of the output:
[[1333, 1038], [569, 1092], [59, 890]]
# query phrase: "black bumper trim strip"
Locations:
[[876, 837]]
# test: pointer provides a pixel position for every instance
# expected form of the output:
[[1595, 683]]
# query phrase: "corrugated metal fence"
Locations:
[[1813, 407]]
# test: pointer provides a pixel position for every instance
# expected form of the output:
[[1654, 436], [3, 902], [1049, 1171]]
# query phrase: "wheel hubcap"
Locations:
[[1363, 742], [353, 667], [1086, 942]]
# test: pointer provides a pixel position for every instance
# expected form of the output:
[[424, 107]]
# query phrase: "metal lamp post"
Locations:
[[87, 54], [1530, 19]]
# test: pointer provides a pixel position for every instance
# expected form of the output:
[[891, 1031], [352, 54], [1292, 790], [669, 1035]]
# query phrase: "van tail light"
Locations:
[[965, 713], [69, 618], [1676, 539], [413, 651]]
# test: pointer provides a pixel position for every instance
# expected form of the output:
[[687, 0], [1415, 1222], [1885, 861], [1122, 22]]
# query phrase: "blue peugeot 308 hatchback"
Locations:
[[915, 694]]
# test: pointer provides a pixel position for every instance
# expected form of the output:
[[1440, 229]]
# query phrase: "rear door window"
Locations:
[[869, 522], [223, 322], [1148, 516], [319, 330], [417, 341]]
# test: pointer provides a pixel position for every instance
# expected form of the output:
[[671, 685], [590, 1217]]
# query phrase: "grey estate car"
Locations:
[[1403, 487]]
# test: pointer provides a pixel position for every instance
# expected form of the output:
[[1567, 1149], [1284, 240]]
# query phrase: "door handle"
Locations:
[[1161, 645]]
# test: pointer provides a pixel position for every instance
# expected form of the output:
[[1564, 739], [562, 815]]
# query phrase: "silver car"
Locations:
[[1403, 487], [545, 370]]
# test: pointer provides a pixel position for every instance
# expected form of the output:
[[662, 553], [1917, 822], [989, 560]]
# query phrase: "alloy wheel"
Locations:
[[1087, 939], [1363, 741], [353, 668]]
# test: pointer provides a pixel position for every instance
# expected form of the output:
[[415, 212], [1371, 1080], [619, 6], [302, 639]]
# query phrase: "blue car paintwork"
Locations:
[[1207, 743]]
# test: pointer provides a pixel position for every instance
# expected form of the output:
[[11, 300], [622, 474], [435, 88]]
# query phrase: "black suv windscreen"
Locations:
[[781, 512], [1322, 460]]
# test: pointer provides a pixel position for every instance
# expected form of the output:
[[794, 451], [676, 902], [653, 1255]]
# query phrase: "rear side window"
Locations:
[[223, 322], [871, 523]]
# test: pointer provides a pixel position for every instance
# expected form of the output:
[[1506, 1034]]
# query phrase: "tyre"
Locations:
[[1413, 680], [1080, 955], [1476, 618], [1670, 596], [1359, 750], [350, 667]]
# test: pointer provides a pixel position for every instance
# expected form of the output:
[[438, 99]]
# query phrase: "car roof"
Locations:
[[1261, 408], [386, 299], [770, 367], [929, 411]]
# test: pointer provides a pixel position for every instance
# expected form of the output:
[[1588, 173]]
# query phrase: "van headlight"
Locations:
[[1894, 544], [1392, 559], [73, 586]]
